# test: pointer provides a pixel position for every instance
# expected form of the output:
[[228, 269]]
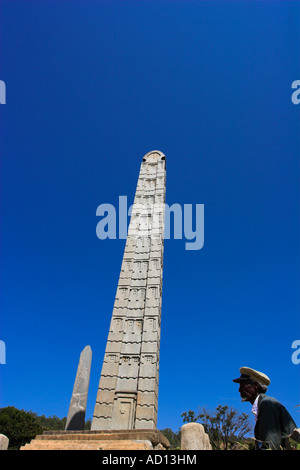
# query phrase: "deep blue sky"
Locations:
[[92, 87]]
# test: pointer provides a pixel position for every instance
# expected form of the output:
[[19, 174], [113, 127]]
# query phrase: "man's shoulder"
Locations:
[[266, 400]]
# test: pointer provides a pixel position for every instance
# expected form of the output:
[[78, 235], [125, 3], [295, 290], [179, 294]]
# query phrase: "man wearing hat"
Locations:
[[273, 421]]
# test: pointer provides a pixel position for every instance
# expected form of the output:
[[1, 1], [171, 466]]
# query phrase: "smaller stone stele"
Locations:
[[77, 409], [4, 441], [194, 437]]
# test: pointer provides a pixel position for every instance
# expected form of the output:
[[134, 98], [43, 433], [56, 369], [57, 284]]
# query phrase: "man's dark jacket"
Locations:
[[273, 423]]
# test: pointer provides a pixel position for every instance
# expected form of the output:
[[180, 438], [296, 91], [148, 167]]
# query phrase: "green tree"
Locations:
[[189, 417], [225, 427], [22, 426], [52, 423], [19, 426], [173, 437], [87, 424]]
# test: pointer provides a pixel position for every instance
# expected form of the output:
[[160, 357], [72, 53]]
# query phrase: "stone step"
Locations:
[[43, 444], [132, 439]]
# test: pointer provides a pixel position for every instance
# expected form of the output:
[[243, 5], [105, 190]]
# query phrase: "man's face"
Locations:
[[248, 391]]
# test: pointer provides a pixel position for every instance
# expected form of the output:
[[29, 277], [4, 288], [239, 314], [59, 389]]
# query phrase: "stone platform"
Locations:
[[133, 439]]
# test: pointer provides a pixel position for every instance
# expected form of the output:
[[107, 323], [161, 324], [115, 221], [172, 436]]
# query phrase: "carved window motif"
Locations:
[[161, 165], [130, 326], [141, 182], [144, 266], [151, 324], [143, 242], [135, 214], [150, 183], [159, 217], [131, 241], [122, 293], [149, 200], [155, 242], [127, 265], [155, 263], [156, 218], [117, 325], [137, 267], [140, 267], [135, 220], [152, 292], [139, 326], [142, 294], [134, 326], [149, 358], [133, 294], [112, 358], [145, 221], [151, 170], [128, 360], [137, 294]]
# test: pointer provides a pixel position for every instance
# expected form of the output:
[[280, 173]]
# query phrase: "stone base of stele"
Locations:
[[133, 439]]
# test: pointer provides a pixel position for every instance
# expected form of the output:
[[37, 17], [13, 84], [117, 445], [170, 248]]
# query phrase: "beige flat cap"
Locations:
[[248, 373]]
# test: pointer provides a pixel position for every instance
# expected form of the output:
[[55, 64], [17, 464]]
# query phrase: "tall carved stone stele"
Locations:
[[125, 413], [128, 387]]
